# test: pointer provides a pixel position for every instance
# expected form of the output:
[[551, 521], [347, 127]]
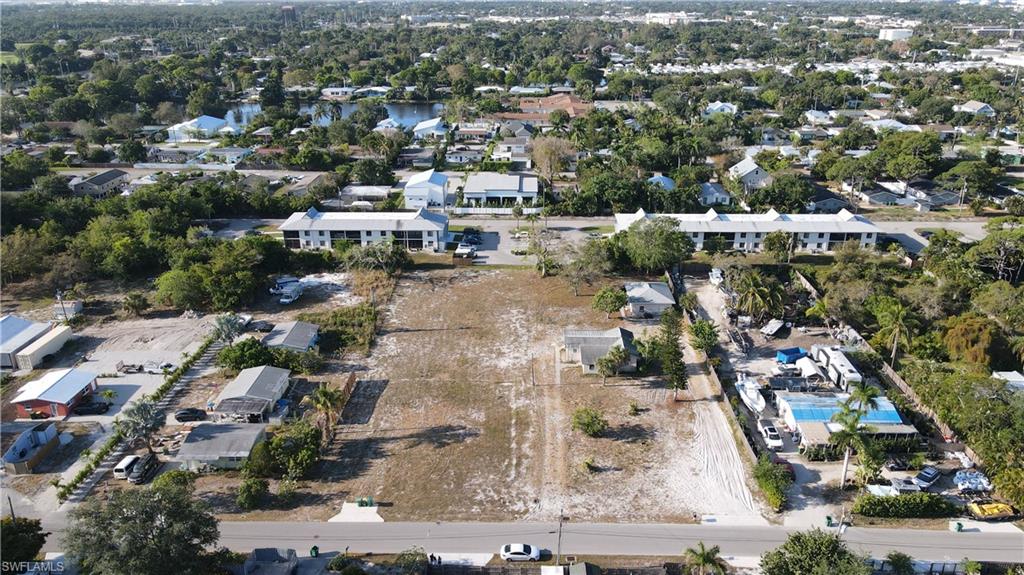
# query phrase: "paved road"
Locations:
[[606, 539]]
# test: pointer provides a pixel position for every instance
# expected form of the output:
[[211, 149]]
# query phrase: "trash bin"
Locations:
[[314, 551], [959, 527], [828, 521]]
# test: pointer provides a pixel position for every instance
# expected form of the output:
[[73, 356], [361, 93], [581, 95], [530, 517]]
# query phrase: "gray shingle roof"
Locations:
[[293, 335]]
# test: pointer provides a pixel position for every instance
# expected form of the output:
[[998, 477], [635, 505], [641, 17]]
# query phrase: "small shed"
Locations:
[[790, 354], [28, 446]]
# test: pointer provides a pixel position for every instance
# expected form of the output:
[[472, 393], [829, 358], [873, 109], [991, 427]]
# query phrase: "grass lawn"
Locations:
[[9, 58], [608, 229]]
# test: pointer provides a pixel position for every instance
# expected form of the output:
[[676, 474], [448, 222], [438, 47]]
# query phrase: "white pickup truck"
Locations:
[[290, 293]]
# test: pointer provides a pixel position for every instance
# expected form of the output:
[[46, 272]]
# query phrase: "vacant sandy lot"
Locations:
[[458, 415]]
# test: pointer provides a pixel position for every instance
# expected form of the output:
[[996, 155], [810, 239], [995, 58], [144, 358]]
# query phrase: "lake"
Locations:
[[405, 113]]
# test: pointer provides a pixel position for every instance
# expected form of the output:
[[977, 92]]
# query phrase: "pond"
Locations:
[[408, 114]]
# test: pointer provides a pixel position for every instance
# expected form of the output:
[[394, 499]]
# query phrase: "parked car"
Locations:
[[125, 466], [189, 414], [144, 468], [261, 326], [91, 408], [159, 368], [520, 552], [772, 438], [281, 283], [897, 464], [927, 477]]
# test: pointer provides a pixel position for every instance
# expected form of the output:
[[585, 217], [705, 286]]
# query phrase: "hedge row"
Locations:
[[927, 505], [65, 490], [773, 480]]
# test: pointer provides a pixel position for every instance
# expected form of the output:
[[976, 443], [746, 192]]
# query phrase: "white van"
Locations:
[[122, 469]]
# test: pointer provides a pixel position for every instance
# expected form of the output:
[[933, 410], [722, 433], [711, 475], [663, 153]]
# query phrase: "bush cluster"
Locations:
[[927, 505], [773, 480]]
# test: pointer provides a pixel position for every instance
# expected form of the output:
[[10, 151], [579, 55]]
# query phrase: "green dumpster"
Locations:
[[314, 551], [828, 521], [959, 527]]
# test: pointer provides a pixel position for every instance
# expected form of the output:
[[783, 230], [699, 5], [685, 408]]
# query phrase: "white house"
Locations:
[[337, 91], [663, 181], [314, 230], [387, 124], [975, 108], [586, 346], [891, 125], [746, 232], [432, 128], [895, 34], [750, 175], [717, 107], [426, 189], [647, 299], [713, 194], [483, 187], [228, 155], [195, 130], [817, 118]]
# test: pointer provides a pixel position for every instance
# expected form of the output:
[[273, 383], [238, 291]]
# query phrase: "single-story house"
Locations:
[[811, 414], [16, 333], [54, 394], [474, 131], [426, 189], [416, 157], [713, 194], [387, 125], [662, 181], [365, 193], [717, 107], [201, 128], [516, 129], [464, 154], [1014, 379], [228, 155], [432, 128], [220, 445], [817, 117], [515, 150], [166, 155], [28, 445], [254, 393], [975, 108], [337, 91], [483, 187], [254, 182], [586, 346], [101, 184], [298, 336], [647, 299], [826, 202], [750, 175]]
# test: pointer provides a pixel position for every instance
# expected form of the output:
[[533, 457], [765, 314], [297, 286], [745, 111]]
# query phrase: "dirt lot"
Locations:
[[457, 416]]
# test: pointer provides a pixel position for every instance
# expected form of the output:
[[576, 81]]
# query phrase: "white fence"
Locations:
[[489, 211]]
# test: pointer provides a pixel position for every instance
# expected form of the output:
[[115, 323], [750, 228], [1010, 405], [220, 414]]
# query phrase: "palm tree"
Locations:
[[326, 401], [109, 395], [896, 326], [864, 396], [227, 327], [612, 362], [704, 560], [820, 311], [134, 304], [139, 421], [846, 437], [758, 296], [1017, 344]]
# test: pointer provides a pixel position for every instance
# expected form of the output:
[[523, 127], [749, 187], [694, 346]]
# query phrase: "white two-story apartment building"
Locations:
[[746, 232], [314, 230]]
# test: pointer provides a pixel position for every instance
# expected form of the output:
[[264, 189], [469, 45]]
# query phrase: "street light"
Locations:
[[558, 549]]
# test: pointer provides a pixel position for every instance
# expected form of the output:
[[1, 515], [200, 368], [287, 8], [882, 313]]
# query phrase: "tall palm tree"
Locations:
[[846, 437], [1017, 344], [896, 326], [326, 401], [820, 311], [704, 560], [757, 295], [864, 397]]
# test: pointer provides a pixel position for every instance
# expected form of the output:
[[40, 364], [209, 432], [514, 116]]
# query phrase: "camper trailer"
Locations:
[[838, 368]]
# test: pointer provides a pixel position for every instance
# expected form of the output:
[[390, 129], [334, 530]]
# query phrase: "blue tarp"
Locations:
[[821, 409], [790, 354]]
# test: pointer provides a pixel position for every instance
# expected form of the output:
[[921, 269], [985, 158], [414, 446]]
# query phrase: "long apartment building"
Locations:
[[314, 230], [746, 232]]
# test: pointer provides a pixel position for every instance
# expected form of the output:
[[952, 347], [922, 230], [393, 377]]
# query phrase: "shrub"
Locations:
[[927, 505], [296, 449], [251, 492], [412, 560], [773, 480], [589, 421], [260, 462], [286, 490], [588, 465]]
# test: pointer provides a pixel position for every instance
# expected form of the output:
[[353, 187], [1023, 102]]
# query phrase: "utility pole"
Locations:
[[558, 549], [11, 505]]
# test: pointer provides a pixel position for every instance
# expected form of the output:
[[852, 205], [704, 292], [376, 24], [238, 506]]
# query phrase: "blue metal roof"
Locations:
[[807, 408]]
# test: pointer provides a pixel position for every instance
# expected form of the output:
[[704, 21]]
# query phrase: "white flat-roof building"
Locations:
[[426, 189], [314, 230], [746, 232], [483, 187], [895, 34]]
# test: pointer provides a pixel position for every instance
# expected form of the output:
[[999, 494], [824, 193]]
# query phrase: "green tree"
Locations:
[[22, 539], [669, 353], [585, 264], [326, 401], [247, 353], [848, 437], [139, 420], [609, 299], [779, 245], [387, 256], [252, 492], [589, 421], [901, 563], [18, 169], [896, 326], [704, 560], [758, 296], [134, 303], [657, 244], [227, 327], [131, 152], [296, 449], [161, 530], [788, 193], [811, 553], [181, 289], [611, 362], [704, 336]]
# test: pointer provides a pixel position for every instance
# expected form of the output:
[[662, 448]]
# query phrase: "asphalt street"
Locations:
[[606, 539]]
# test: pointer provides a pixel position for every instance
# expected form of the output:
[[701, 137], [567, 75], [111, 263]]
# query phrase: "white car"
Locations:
[[520, 552], [772, 438]]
